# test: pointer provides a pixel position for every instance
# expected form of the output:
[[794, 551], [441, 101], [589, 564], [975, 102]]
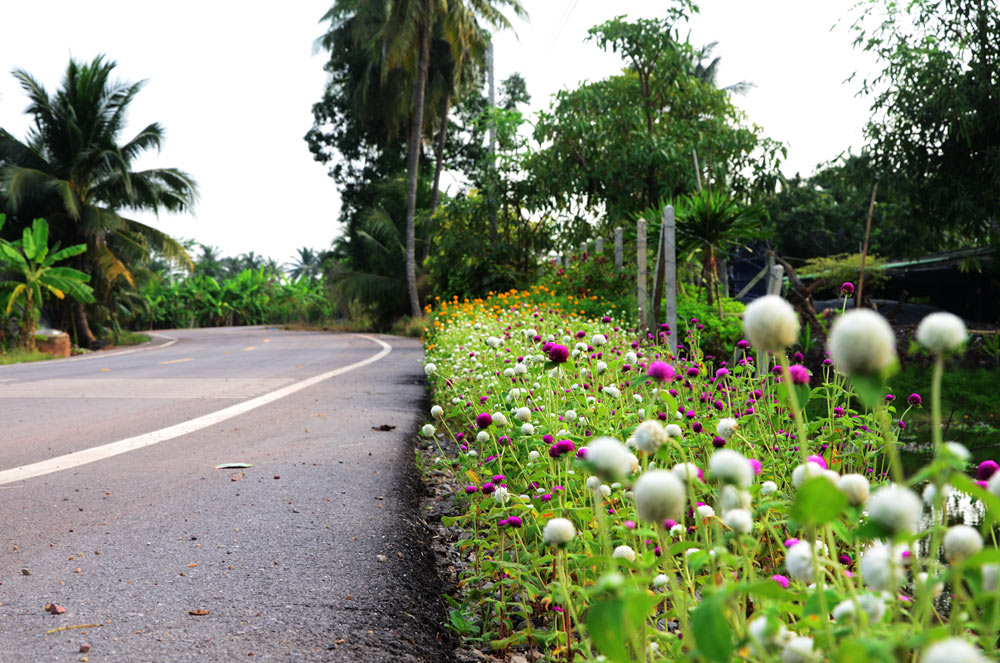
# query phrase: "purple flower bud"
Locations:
[[469, 490], [484, 420], [987, 469], [548, 439], [488, 488], [718, 442], [914, 399], [847, 288]]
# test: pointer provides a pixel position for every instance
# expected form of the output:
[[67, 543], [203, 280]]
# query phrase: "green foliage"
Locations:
[[252, 297], [843, 267], [935, 127], [35, 275]]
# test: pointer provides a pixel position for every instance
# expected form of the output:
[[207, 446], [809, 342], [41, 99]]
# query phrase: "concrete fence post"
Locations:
[[640, 258]]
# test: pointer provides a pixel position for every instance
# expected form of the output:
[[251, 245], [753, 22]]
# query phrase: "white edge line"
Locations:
[[93, 454], [144, 347]]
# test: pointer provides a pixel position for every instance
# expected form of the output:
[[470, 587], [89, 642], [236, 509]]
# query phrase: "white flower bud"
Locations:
[[499, 419], [731, 497], [437, 411], [661, 580], [798, 561], [726, 427], [520, 369], [895, 508], [878, 567], [704, 512], [770, 323], [527, 429], [731, 467], [558, 532], [659, 495], [613, 392], [601, 367], [522, 414], [430, 369], [685, 471], [768, 488], [649, 436], [861, 341], [625, 552], [962, 541], [855, 487], [533, 455], [674, 431], [609, 458], [991, 574], [953, 650], [798, 650], [739, 520], [940, 332], [598, 340], [428, 430], [482, 437]]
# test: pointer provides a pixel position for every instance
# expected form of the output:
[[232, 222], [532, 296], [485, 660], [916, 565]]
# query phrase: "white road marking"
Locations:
[[91, 455], [138, 388]]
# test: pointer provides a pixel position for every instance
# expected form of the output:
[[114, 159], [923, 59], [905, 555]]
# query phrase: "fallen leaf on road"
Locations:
[[384, 427], [199, 613], [55, 609], [66, 628], [233, 466], [192, 565], [84, 647]]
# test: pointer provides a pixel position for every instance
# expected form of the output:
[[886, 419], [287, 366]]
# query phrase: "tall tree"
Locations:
[[934, 134], [72, 170]]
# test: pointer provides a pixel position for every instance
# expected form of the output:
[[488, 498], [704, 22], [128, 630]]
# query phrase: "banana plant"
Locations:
[[33, 265]]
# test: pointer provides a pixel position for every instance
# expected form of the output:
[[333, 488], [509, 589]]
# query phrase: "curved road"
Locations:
[[111, 506]]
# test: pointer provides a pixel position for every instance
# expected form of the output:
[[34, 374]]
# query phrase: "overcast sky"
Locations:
[[233, 84]]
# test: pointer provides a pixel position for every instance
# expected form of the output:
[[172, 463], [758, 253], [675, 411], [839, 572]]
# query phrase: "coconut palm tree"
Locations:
[[73, 170]]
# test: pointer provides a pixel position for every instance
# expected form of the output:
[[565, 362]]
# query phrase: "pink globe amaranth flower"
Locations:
[[798, 357], [514, 521], [547, 346], [546, 497], [629, 524], [847, 288], [743, 344], [915, 399], [819, 460], [790, 542], [548, 439], [469, 490], [987, 469], [558, 354], [781, 580], [838, 411], [661, 371], [721, 373], [484, 420], [756, 465], [799, 373]]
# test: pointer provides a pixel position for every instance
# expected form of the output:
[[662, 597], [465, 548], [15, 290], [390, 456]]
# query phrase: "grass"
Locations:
[[23, 357], [130, 338], [968, 393]]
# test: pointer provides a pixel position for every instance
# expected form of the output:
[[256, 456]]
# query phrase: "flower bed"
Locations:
[[626, 502]]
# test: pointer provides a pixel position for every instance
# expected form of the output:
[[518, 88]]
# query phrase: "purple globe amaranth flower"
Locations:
[[581, 453], [469, 490], [888, 398], [756, 465], [503, 440], [548, 439], [721, 373], [498, 478], [514, 521], [629, 524], [838, 411], [987, 469], [718, 442], [790, 542], [799, 373], [781, 580], [914, 399], [696, 427], [847, 288], [484, 420], [661, 371], [606, 319], [561, 447], [488, 488], [558, 354], [546, 497], [798, 357], [743, 344], [547, 346], [818, 460]]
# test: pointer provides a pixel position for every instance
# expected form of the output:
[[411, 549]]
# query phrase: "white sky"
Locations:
[[234, 83]]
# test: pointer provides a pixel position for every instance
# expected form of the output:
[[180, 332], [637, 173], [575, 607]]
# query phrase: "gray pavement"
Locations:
[[313, 554]]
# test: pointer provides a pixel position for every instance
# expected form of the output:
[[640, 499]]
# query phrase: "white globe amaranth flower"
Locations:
[[437, 411], [597, 340], [558, 532], [613, 392], [593, 484], [731, 467], [637, 398], [768, 488], [610, 581], [770, 323], [472, 453], [878, 568], [739, 520], [522, 414], [430, 369], [953, 650], [482, 437], [861, 342], [634, 463], [508, 372], [631, 358], [661, 580], [798, 650], [799, 562], [855, 487], [686, 471], [428, 430], [673, 431], [601, 367], [726, 427], [501, 494], [520, 369], [924, 585], [767, 635], [499, 419], [570, 415], [704, 512], [533, 455], [930, 493], [527, 429], [871, 605], [994, 484], [962, 541], [605, 490], [609, 458], [941, 332], [659, 495], [731, 497], [624, 552], [895, 508], [493, 341], [804, 472], [649, 436]]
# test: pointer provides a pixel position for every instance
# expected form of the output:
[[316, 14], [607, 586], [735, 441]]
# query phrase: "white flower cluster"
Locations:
[[861, 341]]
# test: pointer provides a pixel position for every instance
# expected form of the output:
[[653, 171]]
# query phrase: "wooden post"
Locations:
[[640, 260], [670, 273], [864, 251], [599, 246], [618, 249]]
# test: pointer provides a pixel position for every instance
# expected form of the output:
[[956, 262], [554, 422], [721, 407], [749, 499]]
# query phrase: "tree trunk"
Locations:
[[412, 166], [439, 156], [85, 337]]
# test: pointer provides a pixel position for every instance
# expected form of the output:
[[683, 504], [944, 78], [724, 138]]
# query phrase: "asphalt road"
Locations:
[[315, 553]]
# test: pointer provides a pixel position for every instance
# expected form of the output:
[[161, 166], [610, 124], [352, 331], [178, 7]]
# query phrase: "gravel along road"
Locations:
[[122, 542]]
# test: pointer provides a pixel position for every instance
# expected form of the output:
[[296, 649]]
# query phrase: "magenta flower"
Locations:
[[987, 469], [914, 399], [818, 460], [781, 580], [755, 464], [661, 371], [799, 373], [558, 353], [847, 288], [484, 420]]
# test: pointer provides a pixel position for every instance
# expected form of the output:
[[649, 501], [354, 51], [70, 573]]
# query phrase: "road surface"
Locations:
[[111, 506]]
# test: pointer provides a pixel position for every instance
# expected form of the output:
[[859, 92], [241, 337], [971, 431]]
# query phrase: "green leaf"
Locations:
[[817, 502], [869, 531], [40, 230], [711, 631], [869, 388], [768, 589], [606, 626], [812, 603]]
